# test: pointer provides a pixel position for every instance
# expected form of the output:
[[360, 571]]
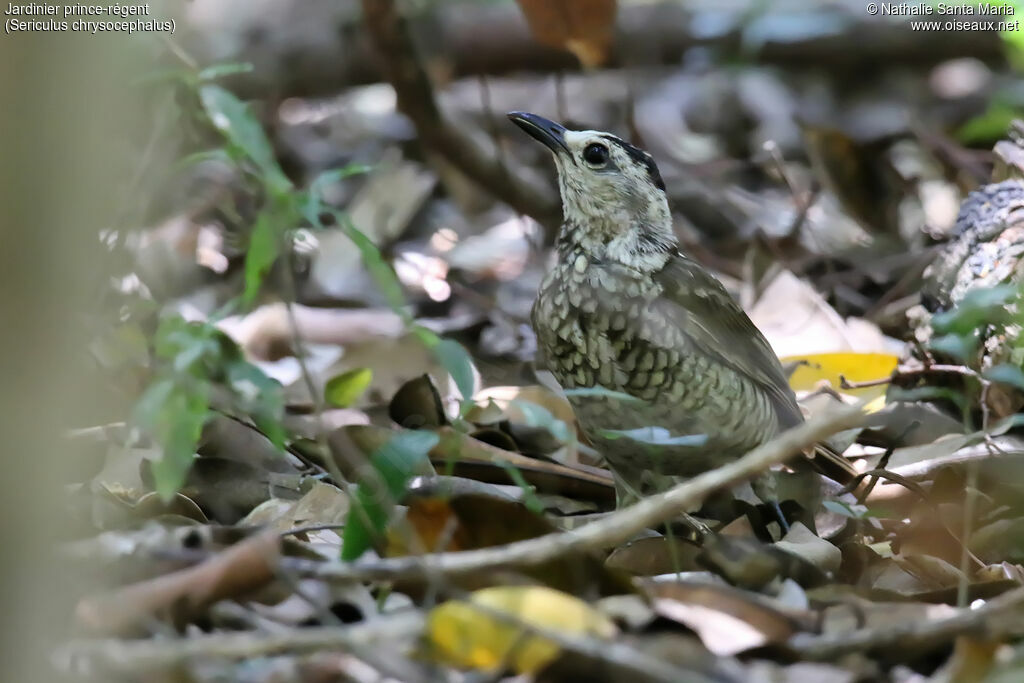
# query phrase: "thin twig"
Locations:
[[803, 201], [998, 618], [314, 395], [883, 462], [916, 489], [904, 372], [971, 500], [311, 528], [134, 656], [318, 407], [402, 66], [561, 108], [615, 528], [492, 121]]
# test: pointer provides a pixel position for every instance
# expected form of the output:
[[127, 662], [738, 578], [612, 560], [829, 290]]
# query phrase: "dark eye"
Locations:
[[595, 154]]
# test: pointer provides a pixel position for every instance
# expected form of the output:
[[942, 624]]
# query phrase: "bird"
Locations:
[[667, 375]]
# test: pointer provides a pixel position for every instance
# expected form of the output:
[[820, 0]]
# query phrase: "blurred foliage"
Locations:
[[1006, 105], [195, 358], [960, 330], [394, 464], [341, 391], [191, 359]]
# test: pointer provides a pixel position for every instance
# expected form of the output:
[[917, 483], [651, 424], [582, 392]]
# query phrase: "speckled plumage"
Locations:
[[675, 340], [625, 313], [986, 247]]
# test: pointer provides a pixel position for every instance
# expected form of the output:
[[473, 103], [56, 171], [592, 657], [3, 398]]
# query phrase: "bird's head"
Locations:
[[613, 198]]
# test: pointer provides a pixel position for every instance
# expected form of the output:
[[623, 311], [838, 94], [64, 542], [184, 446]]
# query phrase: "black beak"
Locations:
[[542, 130]]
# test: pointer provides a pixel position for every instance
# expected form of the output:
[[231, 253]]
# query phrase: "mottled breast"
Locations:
[[610, 327]]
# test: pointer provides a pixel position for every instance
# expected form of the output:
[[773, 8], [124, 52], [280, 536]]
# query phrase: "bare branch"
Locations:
[[134, 656], [999, 618], [403, 69], [615, 528]]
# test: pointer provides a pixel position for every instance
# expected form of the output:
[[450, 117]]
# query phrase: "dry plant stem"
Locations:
[[1000, 618], [133, 656], [307, 378], [971, 501], [137, 656], [913, 372], [403, 69], [615, 528]]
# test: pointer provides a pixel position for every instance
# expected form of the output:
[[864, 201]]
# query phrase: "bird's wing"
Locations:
[[718, 327]]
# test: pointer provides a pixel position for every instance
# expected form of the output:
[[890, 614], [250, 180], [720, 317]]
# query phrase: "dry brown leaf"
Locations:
[[728, 621], [655, 555], [440, 517], [803, 542], [583, 27], [242, 568], [505, 397], [479, 460], [322, 504], [797, 321]]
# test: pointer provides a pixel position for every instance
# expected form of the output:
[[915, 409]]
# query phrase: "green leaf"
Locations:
[[1007, 374], [530, 499], [456, 360], [334, 175], [260, 396], [341, 391], [212, 73], [453, 357], [148, 407], [1013, 40], [174, 417], [978, 308], [183, 421], [312, 199], [394, 464], [990, 125], [232, 117], [928, 393], [538, 416], [216, 154], [961, 348], [264, 245], [381, 272], [158, 76]]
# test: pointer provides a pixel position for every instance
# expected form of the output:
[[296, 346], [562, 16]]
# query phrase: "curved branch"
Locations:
[[615, 528]]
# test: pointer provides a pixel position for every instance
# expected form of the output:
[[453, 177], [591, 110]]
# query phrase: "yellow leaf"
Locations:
[[817, 368], [472, 635]]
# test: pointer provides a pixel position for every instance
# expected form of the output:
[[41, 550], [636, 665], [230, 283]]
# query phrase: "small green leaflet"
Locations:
[[394, 464], [341, 391], [243, 131], [263, 250], [175, 417]]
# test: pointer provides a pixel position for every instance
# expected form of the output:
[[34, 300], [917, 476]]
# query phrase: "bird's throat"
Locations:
[[638, 246]]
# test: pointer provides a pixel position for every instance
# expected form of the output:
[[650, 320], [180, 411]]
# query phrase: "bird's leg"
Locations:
[[783, 524], [766, 488], [629, 487]]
